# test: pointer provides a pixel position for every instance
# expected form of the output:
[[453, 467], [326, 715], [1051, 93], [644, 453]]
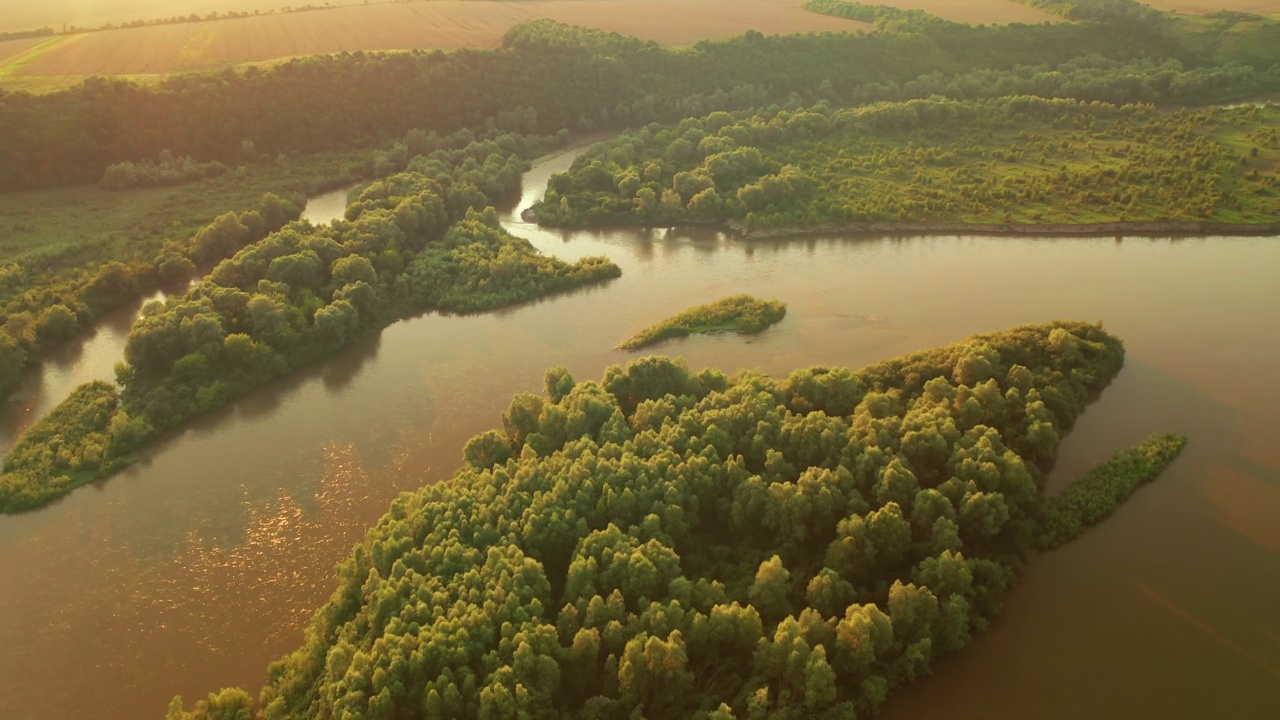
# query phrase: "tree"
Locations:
[[521, 418], [770, 592], [486, 450], [653, 674], [352, 269], [221, 238]]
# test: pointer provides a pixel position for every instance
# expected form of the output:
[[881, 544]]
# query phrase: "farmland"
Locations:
[[191, 46], [16, 15], [11, 49], [153, 51]]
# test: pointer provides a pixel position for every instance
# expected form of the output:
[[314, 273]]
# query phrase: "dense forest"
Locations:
[[736, 313], [665, 544], [325, 103], [423, 239], [1022, 159]]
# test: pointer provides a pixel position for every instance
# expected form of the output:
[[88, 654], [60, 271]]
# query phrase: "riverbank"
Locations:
[[1144, 229], [1150, 229]]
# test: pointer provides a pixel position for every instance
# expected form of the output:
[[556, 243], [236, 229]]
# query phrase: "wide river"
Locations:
[[200, 565]]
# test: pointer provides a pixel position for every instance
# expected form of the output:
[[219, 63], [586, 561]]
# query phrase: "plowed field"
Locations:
[[152, 51]]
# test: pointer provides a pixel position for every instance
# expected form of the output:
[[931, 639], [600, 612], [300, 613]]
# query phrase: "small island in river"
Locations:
[[736, 313]]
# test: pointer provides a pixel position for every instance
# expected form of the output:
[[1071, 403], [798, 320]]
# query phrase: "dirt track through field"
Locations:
[[445, 24]]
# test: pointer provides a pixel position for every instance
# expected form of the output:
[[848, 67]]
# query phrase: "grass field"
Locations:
[[95, 225], [442, 24]]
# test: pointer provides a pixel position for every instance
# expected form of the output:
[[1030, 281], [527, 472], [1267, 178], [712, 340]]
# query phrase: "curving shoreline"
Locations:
[[1159, 229], [1169, 228]]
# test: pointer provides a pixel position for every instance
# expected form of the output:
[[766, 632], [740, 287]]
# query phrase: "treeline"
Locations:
[[24, 34], [323, 103], [423, 239], [884, 17], [664, 544], [1101, 11], [1023, 159], [1092, 498], [736, 313], [1093, 78], [168, 170], [43, 303]]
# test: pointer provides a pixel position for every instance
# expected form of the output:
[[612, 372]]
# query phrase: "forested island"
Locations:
[[736, 313], [1043, 165], [423, 239], [671, 544]]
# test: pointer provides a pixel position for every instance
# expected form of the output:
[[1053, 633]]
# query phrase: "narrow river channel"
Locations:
[[200, 565]]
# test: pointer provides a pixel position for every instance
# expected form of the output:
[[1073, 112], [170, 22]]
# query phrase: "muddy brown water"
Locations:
[[197, 567]]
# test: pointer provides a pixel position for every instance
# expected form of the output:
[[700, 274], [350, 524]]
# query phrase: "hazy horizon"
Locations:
[[17, 16]]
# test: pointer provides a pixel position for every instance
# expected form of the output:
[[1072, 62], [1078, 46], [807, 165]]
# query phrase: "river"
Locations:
[[197, 567]]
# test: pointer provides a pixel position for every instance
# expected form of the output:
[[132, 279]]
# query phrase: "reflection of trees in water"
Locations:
[[281, 568], [341, 369]]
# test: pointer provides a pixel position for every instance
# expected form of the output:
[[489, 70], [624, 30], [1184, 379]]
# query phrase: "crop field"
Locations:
[[18, 15], [443, 24], [150, 52]]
